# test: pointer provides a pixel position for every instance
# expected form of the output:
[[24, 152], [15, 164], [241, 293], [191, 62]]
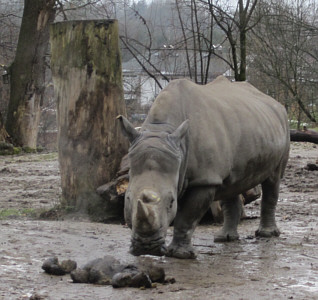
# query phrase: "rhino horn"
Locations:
[[142, 211]]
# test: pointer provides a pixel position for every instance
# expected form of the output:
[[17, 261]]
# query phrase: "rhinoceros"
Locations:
[[201, 143]]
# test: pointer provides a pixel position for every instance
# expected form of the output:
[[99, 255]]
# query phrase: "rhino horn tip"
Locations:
[[142, 210]]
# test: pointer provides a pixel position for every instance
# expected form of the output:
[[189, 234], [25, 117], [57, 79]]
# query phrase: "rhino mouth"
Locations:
[[153, 245]]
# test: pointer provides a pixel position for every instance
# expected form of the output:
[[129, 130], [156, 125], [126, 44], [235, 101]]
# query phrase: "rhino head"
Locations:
[[151, 197]]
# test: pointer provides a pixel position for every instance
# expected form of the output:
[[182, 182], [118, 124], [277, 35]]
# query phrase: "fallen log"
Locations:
[[305, 135], [312, 167]]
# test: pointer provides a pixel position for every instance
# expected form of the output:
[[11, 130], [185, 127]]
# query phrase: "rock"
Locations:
[[131, 276], [53, 267], [156, 273], [79, 276], [36, 296], [170, 280], [109, 271], [68, 265], [98, 271]]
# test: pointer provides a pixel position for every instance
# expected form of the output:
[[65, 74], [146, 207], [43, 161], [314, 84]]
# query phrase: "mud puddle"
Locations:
[[279, 268]]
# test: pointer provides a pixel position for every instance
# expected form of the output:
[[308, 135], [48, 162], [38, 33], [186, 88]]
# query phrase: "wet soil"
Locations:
[[277, 268]]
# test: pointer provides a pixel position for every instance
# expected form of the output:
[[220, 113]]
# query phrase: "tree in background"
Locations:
[[27, 72], [3, 132], [270, 43], [28, 69], [174, 30], [235, 22], [285, 54], [10, 21], [199, 29]]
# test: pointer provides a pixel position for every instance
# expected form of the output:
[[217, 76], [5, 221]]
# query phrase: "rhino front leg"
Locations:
[[232, 210], [267, 227], [193, 206]]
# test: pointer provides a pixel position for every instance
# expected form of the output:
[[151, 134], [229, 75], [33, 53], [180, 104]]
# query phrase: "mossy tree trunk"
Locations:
[[28, 72], [87, 76]]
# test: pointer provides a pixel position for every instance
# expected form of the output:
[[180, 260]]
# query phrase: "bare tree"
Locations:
[[235, 24], [10, 21], [28, 69], [27, 72], [285, 52], [186, 45], [197, 39]]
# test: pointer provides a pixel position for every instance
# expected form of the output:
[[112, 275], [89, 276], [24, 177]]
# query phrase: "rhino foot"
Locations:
[[132, 279], [226, 236], [181, 251], [267, 232], [140, 250]]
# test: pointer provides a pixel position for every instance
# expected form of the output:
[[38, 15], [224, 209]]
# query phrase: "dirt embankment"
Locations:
[[278, 268]]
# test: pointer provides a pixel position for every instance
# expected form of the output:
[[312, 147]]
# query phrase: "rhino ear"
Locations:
[[127, 128], [180, 132]]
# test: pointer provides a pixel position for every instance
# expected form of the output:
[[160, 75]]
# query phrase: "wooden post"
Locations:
[[87, 76]]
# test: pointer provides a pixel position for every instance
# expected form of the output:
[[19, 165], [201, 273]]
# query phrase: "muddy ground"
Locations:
[[278, 268]]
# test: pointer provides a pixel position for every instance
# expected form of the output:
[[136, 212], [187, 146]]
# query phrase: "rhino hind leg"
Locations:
[[232, 210], [194, 205], [270, 191]]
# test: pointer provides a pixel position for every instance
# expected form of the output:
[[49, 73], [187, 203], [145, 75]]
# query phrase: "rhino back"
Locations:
[[237, 135]]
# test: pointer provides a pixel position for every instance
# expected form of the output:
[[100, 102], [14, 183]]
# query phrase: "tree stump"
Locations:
[[87, 76]]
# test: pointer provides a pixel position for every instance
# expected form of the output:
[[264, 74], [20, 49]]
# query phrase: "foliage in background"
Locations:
[[281, 43]]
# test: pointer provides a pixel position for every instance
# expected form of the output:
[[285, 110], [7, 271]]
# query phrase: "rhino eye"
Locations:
[[127, 198], [171, 203]]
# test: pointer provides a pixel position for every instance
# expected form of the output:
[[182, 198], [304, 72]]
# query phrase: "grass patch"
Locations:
[[56, 213], [48, 156], [11, 213], [9, 149]]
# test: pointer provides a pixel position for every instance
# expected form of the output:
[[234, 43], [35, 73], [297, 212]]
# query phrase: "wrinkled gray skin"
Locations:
[[199, 144]]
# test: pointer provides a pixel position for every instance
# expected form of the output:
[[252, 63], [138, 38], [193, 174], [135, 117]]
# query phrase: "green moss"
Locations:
[[8, 149], [17, 150], [27, 149], [91, 45], [55, 213], [18, 213]]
